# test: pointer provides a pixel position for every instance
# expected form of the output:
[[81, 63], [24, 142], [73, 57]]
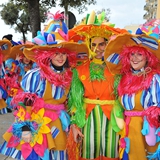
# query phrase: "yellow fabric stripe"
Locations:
[[97, 101]]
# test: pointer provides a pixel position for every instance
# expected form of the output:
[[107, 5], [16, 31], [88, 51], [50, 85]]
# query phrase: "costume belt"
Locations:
[[134, 113], [56, 107], [97, 101]]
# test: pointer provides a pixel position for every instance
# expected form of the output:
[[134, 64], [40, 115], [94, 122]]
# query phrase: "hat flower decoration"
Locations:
[[54, 32]]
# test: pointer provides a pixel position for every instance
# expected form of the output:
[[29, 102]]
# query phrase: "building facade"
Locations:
[[152, 8]]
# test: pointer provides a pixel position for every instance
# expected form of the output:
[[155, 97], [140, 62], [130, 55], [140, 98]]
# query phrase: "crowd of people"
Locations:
[[88, 93]]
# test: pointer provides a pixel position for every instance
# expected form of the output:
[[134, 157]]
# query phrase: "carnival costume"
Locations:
[[14, 71], [46, 87], [4, 51], [138, 93], [91, 96]]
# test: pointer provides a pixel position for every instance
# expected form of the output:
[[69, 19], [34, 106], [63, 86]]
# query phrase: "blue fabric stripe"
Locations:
[[54, 132], [3, 111], [48, 155], [146, 41], [61, 155], [149, 97], [3, 92], [128, 101], [113, 58], [33, 83], [59, 92], [2, 71], [4, 46]]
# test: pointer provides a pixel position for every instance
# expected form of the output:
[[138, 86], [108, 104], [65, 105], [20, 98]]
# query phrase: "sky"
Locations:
[[123, 13]]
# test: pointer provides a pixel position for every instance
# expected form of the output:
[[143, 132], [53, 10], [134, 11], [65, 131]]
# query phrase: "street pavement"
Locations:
[[5, 121]]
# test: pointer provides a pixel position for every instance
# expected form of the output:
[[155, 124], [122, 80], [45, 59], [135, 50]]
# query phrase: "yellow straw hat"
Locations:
[[115, 46]]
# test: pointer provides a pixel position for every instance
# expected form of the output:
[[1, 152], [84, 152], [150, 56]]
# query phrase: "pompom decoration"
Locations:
[[153, 116]]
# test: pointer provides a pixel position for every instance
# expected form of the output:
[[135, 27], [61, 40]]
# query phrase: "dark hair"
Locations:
[[8, 36], [66, 64]]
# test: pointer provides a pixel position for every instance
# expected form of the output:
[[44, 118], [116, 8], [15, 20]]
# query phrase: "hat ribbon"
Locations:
[[151, 43], [4, 47]]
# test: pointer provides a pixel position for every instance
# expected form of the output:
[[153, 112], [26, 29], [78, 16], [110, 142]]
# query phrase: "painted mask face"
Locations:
[[98, 45], [59, 59], [137, 61]]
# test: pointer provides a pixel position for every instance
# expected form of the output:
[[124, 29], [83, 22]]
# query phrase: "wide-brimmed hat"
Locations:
[[115, 46], [55, 35], [5, 46], [18, 50], [93, 26], [81, 50]]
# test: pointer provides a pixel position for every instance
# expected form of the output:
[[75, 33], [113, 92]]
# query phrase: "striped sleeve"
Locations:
[[151, 97], [33, 83]]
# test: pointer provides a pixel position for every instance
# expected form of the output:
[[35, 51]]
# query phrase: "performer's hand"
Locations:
[[77, 134], [26, 136], [18, 57]]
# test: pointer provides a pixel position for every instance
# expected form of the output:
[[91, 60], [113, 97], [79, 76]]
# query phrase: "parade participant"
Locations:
[[10, 38], [5, 47], [16, 65], [136, 61], [42, 120], [22, 61], [91, 96]]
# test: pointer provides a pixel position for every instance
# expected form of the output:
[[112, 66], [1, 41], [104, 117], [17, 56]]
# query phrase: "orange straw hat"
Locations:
[[18, 50], [115, 46], [94, 26], [5, 47], [71, 46]]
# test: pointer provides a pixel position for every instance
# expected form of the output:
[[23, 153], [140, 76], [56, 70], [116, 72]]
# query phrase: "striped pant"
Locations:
[[48, 155], [99, 137]]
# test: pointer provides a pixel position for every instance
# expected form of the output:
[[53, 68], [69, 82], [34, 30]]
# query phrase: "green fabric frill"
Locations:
[[75, 101], [97, 71]]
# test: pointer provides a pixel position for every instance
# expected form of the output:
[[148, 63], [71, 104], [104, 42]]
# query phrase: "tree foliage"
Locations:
[[27, 15], [17, 15], [80, 5]]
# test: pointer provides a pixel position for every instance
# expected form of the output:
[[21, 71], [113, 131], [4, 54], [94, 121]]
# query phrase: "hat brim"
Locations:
[[5, 46], [80, 49], [116, 45], [18, 50]]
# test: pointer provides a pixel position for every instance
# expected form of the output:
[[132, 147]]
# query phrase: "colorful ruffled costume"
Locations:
[[5, 47], [14, 71], [91, 97], [139, 94], [47, 88]]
